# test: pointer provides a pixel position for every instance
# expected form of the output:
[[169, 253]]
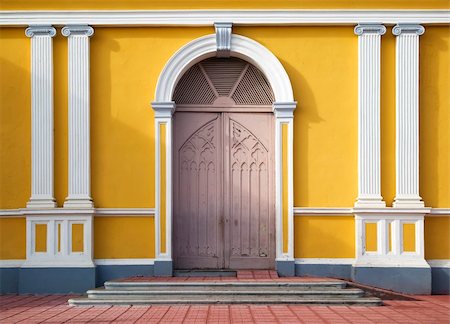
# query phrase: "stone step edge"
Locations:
[[117, 284], [102, 292], [99, 302]]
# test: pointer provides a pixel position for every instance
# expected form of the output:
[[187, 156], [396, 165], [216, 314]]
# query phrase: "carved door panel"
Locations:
[[197, 219], [223, 190], [249, 191]]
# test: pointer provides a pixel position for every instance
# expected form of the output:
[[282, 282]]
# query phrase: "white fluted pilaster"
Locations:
[[407, 116], [369, 171], [42, 166], [79, 117]]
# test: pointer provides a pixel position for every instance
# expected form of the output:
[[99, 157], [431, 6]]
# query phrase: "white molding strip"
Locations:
[[439, 263], [331, 261], [439, 212], [150, 212], [209, 17], [11, 263], [124, 212], [124, 261], [307, 211]]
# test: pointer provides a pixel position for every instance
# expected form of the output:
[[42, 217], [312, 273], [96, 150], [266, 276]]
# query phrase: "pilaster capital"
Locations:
[[41, 30], [372, 28], [400, 29], [163, 109], [77, 30], [223, 38], [284, 109]]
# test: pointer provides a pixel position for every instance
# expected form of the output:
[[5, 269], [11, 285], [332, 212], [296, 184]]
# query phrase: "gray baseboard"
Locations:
[[403, 280], [163, 268], [55, 280], [285, 268], [111, 272], [440, 281], [342, 271], [9, 280]]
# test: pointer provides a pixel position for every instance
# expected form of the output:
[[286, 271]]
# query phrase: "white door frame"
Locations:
[[283, 108]]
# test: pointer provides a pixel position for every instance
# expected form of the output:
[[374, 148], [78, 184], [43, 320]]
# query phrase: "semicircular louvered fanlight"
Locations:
[[223, 82]]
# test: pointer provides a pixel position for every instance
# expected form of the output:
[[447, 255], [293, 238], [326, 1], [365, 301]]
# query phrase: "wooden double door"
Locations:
[[224, 213]]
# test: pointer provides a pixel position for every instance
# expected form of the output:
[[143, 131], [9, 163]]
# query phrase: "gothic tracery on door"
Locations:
[[223, 168]]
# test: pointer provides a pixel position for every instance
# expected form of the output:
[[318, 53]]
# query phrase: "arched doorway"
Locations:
[[282, 110], [223, 167]]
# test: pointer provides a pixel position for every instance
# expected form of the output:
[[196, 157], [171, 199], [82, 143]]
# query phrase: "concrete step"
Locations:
[[213, 285], [232, 299], [217, 294]]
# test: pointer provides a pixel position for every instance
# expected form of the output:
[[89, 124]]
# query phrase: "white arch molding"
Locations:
[[283, 108]]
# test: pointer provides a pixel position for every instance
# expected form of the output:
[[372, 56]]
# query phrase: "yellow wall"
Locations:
[[435, 116], [437, 237], [200, 4], [12, 238], [322, 64], [124, 237], [15, 118], [127, 63], [324, 237]]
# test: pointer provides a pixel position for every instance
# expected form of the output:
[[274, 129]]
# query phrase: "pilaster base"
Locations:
[[285, 268], [408, 203], [78, 203], [41, 203], [163, 268]]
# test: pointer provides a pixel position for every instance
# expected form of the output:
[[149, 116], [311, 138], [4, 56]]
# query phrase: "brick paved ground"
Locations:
[[54, 309]]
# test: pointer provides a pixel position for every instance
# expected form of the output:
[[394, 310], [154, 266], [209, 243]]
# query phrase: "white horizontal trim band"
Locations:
[[124, 211], [298, 211], [124, 261], [22, 212], [209, 17], [322, 211], [11, 263], [440, 211], [439, 263], [337, 261], [330, 261], [20, 263]]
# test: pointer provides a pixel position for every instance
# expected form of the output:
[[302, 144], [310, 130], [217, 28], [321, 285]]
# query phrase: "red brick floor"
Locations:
[[54, 309], [242, 275]]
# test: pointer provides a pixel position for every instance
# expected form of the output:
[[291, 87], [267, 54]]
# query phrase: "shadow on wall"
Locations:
[[434, 117], [122, 132], [15, 135], [304, 116]]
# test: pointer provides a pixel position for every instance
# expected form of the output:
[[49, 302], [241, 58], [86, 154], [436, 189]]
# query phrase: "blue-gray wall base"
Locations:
[[285, 268], [440, 281], [55, 280], [9, 280], [399, 279], [163, 268], [342, 271], [111, 272]]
